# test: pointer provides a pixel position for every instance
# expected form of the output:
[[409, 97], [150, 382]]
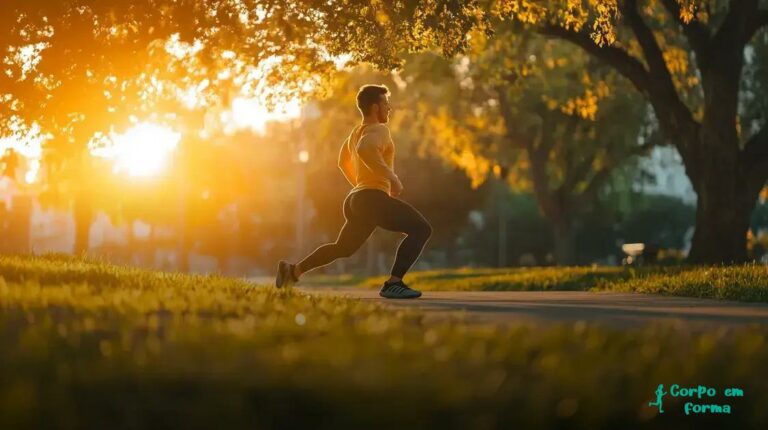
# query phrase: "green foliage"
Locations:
[[87, 345]]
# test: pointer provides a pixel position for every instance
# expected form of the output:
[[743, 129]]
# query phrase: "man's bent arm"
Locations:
[[345, 163]]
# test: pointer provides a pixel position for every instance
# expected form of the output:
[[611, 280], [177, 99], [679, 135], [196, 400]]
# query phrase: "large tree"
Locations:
[[79, 68], [685, 57], [83, 69], [558, 125], [662, 47]]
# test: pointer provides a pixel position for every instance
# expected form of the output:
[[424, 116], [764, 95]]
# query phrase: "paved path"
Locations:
[[621, 310]]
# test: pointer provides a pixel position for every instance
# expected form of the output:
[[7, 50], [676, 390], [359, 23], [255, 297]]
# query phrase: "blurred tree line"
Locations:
[[502, 107]]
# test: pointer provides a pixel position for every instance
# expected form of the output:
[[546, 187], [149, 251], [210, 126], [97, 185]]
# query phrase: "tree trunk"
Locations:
[[722, 221], [564, 243], [83, 218], [183, 248], [723, 178], [727, 195], [726, 180]]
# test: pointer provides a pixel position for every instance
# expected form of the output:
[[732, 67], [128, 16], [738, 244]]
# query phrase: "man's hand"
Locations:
[[396, 187]]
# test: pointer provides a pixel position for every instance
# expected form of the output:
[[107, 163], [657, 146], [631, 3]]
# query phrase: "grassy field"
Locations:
[[748, 282], [89, 345]]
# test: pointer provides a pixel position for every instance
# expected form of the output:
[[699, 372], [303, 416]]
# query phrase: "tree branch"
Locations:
[[547, 139], [590, 193], [647, 41], [629, 66], [505, 107], [739, 25], [695, 31], [640, 149], [759, 21], [673, 115], [577, 172]]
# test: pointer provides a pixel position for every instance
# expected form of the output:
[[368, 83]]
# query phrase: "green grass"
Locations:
[[89, 345], [748, 282], [516, 279]]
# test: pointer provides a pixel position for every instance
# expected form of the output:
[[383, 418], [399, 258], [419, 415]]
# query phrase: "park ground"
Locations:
[[91, 345]]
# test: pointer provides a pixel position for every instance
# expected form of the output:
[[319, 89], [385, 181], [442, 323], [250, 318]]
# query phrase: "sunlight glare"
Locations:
[[250, 114], [34, 169], [28, 143], [143, 149]]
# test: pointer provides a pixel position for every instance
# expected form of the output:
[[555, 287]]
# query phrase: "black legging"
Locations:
[[364, 210]]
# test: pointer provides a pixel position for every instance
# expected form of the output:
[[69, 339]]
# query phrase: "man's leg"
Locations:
[[353, 234], [396, 215]]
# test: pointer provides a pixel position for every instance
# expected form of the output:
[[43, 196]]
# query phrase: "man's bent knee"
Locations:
[[423, 231], [428, 230]]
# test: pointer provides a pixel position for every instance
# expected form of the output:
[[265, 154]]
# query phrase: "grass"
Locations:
[[85, 344], [748, 282]]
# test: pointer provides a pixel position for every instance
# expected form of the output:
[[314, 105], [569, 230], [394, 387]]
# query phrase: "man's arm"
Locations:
[[345, 163]]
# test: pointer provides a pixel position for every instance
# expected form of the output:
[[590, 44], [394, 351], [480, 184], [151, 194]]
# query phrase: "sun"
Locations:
[[251, 114], [143, 150]]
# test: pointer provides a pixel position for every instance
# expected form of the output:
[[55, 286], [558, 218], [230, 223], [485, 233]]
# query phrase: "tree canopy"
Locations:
[[79, 69]]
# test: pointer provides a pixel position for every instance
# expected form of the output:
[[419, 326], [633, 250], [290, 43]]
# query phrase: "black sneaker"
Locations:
[[398, 290], [285, 276]]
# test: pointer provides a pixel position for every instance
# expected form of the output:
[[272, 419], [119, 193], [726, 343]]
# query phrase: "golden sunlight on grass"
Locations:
[[79, 332]]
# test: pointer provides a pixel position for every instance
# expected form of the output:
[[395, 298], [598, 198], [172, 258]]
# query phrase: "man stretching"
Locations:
[[367, 160]]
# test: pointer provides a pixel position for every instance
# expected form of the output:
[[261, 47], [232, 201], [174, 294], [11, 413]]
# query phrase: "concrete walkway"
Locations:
[[622, 310]]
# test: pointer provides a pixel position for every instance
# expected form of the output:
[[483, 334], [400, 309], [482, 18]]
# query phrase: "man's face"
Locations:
[[382, 109]]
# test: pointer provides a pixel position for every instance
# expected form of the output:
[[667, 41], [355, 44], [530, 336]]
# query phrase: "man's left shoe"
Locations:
[[398, 290], [285, 276]]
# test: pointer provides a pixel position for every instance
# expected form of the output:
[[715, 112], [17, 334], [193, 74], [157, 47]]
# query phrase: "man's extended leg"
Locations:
[[354, 232]]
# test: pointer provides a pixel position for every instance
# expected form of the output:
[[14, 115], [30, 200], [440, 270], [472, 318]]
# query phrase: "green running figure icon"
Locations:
[[659, 394]]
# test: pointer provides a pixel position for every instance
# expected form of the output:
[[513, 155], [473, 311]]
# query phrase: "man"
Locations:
[[367, 161]]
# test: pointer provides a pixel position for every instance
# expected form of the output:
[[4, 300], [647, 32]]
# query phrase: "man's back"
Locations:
[[372, 155]]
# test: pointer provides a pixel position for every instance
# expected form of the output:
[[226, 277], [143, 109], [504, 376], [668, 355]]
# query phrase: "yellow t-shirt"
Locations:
[[373, 156]]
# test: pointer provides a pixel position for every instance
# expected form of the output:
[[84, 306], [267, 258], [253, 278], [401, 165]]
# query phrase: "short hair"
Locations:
[[369, 95]]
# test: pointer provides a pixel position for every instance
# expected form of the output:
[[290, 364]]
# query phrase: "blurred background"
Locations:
[[556, 162]]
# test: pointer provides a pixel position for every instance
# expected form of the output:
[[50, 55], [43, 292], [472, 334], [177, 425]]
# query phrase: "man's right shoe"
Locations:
[[285, 276], [398, 290]]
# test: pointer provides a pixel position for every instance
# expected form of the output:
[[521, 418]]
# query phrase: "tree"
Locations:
[[536, 128], [687, 59], [80, 68], [689, 71]]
